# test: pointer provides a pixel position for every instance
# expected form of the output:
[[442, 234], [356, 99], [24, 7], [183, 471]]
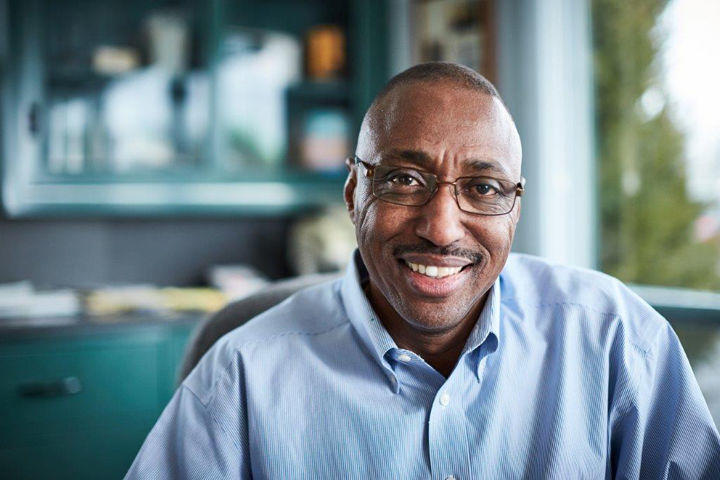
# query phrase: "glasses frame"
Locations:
[[370, 172]]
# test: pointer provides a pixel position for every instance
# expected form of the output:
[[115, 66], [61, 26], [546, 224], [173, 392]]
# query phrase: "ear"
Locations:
[[349, 191]]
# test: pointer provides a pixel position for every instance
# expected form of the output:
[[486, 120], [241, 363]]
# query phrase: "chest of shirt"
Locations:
[[526, 416]]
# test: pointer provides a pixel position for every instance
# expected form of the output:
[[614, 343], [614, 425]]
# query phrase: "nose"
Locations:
[[440, 220]]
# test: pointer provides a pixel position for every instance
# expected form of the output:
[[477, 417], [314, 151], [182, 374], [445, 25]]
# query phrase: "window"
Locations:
[[657, 108]]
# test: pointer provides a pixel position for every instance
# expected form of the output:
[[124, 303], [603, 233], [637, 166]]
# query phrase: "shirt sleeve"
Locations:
[[663, 428], [188, 442]]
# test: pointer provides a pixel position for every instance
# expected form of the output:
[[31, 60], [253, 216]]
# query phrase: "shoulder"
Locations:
[[534, 280], [310, 311], [533, 284], [291, 325]]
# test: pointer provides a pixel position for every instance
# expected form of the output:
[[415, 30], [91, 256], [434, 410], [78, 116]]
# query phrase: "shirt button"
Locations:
[[450, 477], [444, 400], [404, 357]]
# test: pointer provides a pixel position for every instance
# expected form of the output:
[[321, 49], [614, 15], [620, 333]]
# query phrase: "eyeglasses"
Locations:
[[480, 195]]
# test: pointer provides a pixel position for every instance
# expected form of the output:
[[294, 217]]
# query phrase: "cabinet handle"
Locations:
[[34, 119], [54, 388]]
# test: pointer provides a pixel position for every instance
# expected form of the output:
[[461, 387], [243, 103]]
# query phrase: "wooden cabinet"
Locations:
[[78, 403]]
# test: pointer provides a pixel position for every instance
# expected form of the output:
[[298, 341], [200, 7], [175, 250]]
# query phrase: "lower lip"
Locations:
[[435, 287]]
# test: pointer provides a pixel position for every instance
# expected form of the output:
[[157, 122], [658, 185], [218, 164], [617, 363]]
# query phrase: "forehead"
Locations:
[[452, 126]]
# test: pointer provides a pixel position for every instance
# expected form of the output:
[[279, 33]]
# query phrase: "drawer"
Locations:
[[52, 387]]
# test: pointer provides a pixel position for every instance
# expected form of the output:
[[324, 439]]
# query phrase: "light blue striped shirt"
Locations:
[[567, 374]]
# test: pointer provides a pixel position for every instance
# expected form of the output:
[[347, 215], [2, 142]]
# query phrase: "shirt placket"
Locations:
[[447, 437]]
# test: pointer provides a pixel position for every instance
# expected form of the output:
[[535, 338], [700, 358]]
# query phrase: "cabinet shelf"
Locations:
[[272, 196]]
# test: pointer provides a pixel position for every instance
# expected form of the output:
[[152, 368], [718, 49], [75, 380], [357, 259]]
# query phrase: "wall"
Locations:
[[84, 253]]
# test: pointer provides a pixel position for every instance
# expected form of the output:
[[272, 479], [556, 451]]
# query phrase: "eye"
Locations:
[[403, 179], [484, 189]]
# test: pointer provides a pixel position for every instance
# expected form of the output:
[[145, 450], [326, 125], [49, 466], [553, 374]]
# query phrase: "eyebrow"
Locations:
[[416, 157], [480, 165], [423, 160]]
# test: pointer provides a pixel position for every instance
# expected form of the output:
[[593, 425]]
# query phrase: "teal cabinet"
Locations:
[[130, 107], [79, 404]]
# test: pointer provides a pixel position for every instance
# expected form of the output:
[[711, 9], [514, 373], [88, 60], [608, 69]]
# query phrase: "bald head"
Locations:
[[452, 94], [440, 71]]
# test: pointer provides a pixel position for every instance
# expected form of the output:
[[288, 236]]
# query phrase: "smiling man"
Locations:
[[439, 354], [435, 206]]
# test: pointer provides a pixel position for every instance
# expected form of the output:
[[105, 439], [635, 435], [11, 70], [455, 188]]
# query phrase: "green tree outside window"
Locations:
[[647, 215]]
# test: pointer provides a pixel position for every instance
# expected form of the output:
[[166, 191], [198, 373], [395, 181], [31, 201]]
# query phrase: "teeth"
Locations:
[[432, 270]]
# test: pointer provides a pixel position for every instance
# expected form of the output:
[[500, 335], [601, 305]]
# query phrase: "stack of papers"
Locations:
[[149, 298], [20, 299]]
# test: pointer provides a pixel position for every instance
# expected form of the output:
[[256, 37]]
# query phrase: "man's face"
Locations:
[[450, 131]]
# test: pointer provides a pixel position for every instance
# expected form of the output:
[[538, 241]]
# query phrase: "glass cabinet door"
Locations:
[[124, 89], [183, 106]]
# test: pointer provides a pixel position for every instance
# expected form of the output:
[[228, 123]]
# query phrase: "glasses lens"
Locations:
[[485, 195], [403, 186]]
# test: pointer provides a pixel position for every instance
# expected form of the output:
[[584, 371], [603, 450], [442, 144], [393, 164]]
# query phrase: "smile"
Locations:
[[433, 271]]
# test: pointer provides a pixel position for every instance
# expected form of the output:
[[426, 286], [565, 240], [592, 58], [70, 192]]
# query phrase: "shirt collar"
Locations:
[[485, 335], [483, 338], [362, 316]]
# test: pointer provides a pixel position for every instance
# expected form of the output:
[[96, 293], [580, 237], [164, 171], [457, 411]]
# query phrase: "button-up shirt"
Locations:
[[566, 374]]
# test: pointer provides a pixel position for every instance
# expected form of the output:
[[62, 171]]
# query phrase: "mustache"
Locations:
[[429, 248]]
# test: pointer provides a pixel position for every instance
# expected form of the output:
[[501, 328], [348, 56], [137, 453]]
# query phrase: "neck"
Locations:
[[440, 349]]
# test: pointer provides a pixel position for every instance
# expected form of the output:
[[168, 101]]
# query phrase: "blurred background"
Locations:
[[161, 158]]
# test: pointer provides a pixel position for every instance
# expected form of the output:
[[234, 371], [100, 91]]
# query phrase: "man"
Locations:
[[437, 356]]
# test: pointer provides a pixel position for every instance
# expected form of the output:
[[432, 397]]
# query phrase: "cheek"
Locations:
[[380, 222], [367, 219], [496, 235]]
